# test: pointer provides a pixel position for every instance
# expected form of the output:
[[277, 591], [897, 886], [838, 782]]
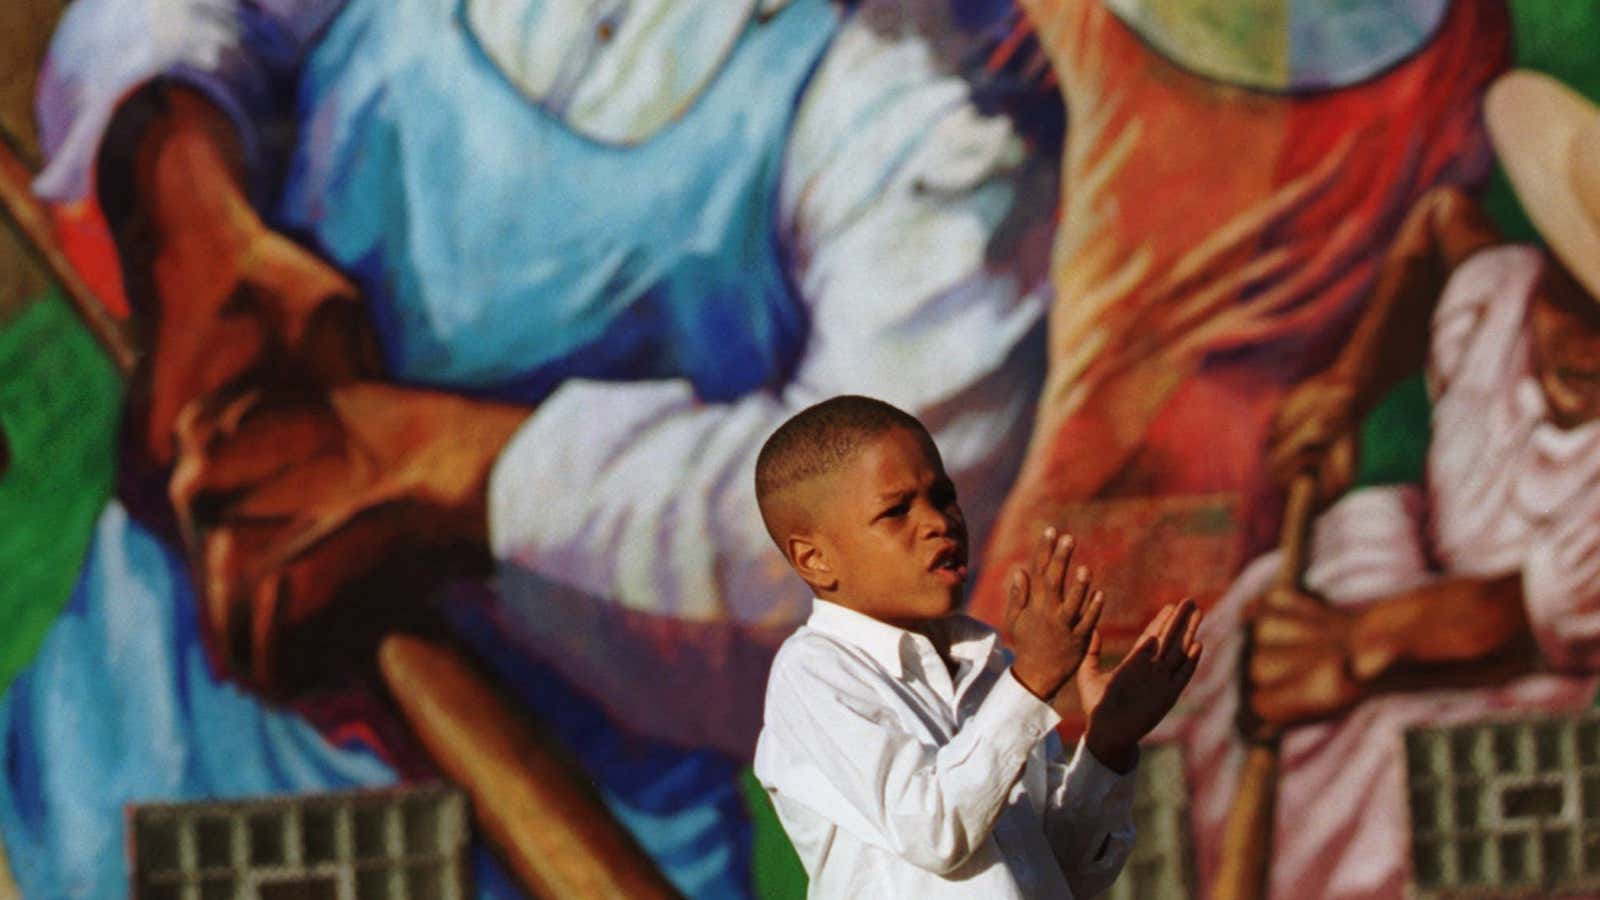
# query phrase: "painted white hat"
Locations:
[[1548, 138], [1284, 45]]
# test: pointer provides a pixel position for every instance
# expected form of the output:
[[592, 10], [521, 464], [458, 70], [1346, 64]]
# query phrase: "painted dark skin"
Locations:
[[243, 328], [1565, 326], [1311, 661]]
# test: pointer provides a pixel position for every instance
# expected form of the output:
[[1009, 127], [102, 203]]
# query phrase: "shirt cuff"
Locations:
[[1092, 785], [1014, 718]]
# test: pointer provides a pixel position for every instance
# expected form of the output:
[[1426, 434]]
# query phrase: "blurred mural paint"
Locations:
[[464, 319]]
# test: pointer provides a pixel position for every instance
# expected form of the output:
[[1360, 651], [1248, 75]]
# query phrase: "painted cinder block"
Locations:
[[407, 843], [1505, 807]]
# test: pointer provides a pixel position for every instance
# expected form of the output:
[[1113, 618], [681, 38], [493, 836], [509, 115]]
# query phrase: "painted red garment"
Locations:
[[1216, 246]]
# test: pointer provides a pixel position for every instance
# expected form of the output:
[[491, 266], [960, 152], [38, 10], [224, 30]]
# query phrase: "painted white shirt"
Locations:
[[624, 511], [895, 779]]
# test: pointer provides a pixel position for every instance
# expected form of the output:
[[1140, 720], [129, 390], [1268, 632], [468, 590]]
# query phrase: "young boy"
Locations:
[[906, 754]]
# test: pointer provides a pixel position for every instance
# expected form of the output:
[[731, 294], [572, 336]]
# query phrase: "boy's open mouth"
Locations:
[[949, 562]]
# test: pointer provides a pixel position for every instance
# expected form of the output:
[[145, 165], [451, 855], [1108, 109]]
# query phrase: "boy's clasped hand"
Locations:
[[1052, 614]]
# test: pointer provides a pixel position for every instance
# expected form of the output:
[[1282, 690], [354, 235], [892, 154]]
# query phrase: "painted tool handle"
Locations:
[[528, 798], [1245, 865]]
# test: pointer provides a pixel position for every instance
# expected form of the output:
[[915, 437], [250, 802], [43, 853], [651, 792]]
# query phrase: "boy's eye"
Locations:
[[899, 509]]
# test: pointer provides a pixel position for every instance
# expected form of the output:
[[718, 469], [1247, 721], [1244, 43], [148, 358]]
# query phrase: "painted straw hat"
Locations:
[[1548, 139]]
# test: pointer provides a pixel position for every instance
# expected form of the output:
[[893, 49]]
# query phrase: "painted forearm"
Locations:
[[1443, 633], [1391, 339], [172, 156]]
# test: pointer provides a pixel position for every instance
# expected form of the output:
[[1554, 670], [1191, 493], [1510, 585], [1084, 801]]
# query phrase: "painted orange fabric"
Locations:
[[1216, 246]]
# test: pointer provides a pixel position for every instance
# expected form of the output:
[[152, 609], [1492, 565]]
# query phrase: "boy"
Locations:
[[905, 754]]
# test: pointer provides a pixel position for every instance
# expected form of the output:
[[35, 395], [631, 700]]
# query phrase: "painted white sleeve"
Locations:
[[236, 51], [900, 212]]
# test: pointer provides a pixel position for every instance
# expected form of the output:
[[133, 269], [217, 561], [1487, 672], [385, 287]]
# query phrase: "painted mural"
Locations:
[[381, 383]]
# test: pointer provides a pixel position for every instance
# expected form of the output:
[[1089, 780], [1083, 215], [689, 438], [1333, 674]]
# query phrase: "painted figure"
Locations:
[[465, 287], [1232, 176], [1474, 593]]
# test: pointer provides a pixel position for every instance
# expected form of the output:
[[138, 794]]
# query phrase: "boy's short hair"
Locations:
[[819, 439]]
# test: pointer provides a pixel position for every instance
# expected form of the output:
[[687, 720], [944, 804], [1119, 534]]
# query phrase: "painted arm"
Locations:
[[162, 105], [1311, 660], [241, 55], [920, 258], [1316, 427]]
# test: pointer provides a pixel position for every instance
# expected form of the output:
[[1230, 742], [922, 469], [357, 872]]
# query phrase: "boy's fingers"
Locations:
[[1176, 626], [1158, 624], [1171, 612], [1016, 597], [1091, 617], [1185, 671], [1191, 635], [1076, 590], [1055, 574], [1043, 549], [1143, 648]]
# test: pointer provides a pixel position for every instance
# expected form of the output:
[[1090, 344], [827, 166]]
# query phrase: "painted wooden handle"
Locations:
[[1244, 870], [530, 801]]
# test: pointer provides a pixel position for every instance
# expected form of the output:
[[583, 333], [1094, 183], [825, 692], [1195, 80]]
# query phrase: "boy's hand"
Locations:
[[1048, 618], [1124, 704]]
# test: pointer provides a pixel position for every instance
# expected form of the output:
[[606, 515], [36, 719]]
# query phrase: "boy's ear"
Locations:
[[811, 562]]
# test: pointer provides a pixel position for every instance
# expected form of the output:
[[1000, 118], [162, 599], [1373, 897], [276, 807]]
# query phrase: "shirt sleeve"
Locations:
[[844, 755], [238, 52], [905, 221], [1088, 818]]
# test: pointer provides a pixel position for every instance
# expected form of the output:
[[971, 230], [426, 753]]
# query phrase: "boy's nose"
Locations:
[[938, 522]]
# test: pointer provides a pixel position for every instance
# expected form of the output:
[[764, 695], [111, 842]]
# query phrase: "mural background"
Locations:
[[80, 742]]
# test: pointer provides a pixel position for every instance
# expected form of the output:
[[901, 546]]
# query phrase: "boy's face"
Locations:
[[892, 532]]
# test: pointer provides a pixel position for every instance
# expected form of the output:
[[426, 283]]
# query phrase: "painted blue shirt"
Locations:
[[501, 251]]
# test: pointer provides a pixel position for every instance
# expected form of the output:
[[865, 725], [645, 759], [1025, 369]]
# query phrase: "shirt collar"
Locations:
[[970, 639]]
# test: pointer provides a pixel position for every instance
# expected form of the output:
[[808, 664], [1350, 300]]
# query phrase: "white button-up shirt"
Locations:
[[894, 779]]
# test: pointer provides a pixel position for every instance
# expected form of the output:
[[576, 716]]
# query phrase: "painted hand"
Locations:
[[220, 297], [1050, 617], [1303, 665], [1316, 431], [314, 517]]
